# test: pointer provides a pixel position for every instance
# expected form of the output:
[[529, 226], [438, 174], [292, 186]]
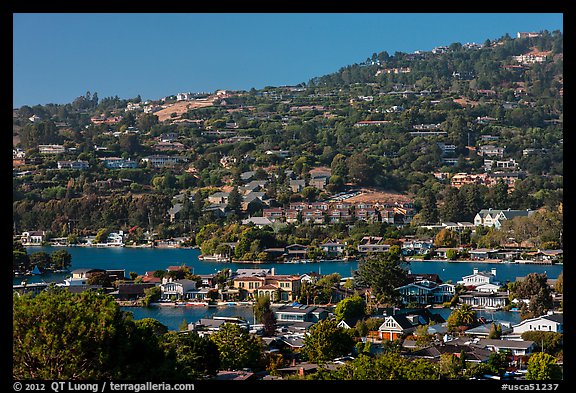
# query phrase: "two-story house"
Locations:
[[177, 290]]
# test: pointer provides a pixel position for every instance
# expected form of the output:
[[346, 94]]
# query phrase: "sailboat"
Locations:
[[36, 271]]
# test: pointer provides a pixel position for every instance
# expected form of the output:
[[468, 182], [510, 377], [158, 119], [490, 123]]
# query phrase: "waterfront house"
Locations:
[[442, 251], [483, 253], [372, 244], [207, 280], [177, 289], [333, 248], [411, 247], [277, 287], [477, 278], [247, 272], [545, 256], [484, 299], [487, 288], [296, 251], [32, 238], [131, 291], [85, 273], [426, 292]]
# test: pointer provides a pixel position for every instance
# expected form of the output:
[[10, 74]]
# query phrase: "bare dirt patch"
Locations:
[[182, 107], [373, 196]]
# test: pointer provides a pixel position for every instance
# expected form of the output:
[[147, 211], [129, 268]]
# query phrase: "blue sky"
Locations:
[[58, 57]]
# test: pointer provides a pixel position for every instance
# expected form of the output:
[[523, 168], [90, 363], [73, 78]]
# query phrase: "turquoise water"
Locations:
[[172, 317], [140, 260]]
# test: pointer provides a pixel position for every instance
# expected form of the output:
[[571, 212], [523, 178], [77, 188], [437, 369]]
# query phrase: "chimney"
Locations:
[[493, 271], [273, 270], [475, 271], [293, 362]]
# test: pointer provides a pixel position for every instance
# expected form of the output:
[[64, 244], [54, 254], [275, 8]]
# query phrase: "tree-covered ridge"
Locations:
[[369, 130]]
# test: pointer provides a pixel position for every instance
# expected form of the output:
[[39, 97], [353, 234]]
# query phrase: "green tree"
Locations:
[[327, 341], [100, 278], [350, 308], [237, 348], [429, 212], [461, 317], [58, 335], [20, 261], [446, 238], [195, 357], [543, 367], [339, 166], [234, 201], [264, 315], [151, 295], [383, 273], [535, 288], [361, 169], [61, 259], [102, 235], [452, 254], [146, 121], [495, 331], [548, 342], [41, 259]]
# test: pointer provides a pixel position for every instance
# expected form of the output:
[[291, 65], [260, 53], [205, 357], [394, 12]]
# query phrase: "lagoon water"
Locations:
[[141, 260], [172, 317]]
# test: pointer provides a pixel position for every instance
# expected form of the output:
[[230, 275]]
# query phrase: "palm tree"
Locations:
[[467, 314]]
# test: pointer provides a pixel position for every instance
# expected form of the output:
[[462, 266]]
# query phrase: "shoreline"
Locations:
[[498, 261]]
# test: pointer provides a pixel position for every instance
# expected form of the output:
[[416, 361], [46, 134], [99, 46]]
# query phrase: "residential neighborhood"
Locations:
[[400, 218]]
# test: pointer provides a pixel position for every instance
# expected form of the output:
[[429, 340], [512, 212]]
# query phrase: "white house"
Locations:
[[159, 161], [32, 237], [517, 348], [494, 217], [550, 322], [179, 289], [258, 221], [115, 238], [79, 164], [477, 278], [487, 288]]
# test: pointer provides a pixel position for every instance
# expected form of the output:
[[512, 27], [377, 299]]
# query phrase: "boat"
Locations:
[[212, 258], [36, 271], [195, 304]]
